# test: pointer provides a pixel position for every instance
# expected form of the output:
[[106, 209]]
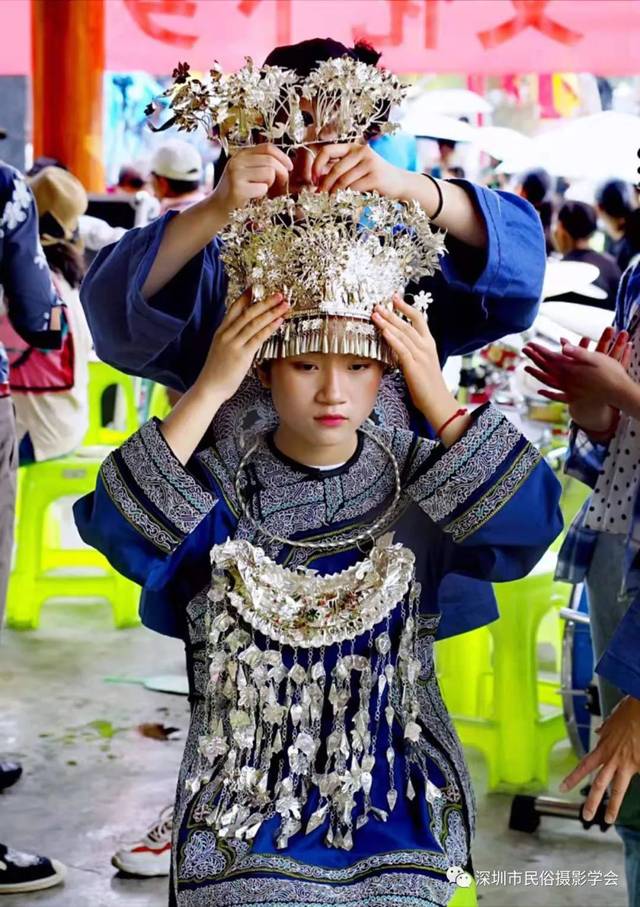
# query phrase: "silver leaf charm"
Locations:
[[298, 674], [432, 793], [318, 672], [392, 798], [412, 731], [368, 762], [306, 744], [383, 644], [317, 818]]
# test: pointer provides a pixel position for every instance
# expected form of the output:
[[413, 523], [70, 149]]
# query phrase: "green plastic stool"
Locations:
[[101, 377], [159, 405], [490, 683], [464, 897], [38, 550]]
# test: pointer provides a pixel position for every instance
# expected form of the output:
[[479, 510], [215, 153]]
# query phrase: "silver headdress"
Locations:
[[263, 103], [335, 257]]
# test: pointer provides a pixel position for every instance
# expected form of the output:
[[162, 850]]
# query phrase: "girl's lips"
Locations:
[[330, 420]]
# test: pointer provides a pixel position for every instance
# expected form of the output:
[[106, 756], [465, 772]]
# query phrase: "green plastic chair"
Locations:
[[464, 897], [489, 677], [159, 405], [39, 552], [102, 377]]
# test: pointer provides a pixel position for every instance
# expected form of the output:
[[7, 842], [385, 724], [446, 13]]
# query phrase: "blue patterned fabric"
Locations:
[[24, 275], [486, 508]]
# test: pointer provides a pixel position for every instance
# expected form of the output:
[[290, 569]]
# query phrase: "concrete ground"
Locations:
[[91, 778]]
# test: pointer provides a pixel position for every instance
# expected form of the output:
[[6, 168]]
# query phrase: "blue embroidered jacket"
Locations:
[[480, 295], [24, 274]]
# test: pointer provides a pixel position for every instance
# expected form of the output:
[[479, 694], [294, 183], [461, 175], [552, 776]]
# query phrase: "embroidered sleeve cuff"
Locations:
[[462, 487], [153, 491]]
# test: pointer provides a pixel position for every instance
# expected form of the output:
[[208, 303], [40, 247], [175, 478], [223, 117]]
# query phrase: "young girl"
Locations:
[[321, 767]]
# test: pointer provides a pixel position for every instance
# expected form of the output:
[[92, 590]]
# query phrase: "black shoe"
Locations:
[[9, 774], [26, 872]]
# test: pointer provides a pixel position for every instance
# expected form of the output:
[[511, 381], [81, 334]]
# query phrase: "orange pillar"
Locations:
[[68, 66]]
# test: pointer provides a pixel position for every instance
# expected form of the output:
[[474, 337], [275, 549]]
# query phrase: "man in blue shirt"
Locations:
[[34, 313], [154, 300]]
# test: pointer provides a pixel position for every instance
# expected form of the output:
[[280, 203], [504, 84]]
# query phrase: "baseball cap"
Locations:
[[177, 160], [60, 200]]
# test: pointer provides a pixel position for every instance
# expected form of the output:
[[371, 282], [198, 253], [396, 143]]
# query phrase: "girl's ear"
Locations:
[[264, 374]]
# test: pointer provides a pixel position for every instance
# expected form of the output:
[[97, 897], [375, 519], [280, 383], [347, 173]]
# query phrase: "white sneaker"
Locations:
[[150, 856]]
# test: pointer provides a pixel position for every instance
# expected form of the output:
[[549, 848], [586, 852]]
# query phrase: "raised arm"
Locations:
[[150, 499], [249, 174]]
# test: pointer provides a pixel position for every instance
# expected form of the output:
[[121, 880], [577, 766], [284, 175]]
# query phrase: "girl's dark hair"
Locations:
[[616, 199], [305, 56], [578, 219], [67, 261]]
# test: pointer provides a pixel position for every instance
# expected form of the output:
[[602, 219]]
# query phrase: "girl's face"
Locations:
[[321, 400]]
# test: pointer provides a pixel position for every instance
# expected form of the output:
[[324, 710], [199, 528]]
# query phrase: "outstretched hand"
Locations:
[[616, 757], [589, 381]]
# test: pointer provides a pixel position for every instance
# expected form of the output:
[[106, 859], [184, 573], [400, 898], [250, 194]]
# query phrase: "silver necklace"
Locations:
[[326, 545]]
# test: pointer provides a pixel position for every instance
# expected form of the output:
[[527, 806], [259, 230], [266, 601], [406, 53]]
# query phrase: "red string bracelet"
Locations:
[[458, 412]]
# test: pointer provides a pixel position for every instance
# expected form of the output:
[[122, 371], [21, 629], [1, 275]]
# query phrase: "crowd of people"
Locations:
[[321, 764]]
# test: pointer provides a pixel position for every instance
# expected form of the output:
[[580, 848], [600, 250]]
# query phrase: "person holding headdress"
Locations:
[[154, 300], [295, 531]]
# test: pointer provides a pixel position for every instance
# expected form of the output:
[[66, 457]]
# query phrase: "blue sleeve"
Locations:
[[167, 337], [620, 664], [493, 497], [144, 507], [479, 296], [585, 458], [24, 273], [483, 294]]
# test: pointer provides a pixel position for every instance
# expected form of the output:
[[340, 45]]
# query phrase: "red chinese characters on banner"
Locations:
[[529, 14], [143, 13], [457, 36]]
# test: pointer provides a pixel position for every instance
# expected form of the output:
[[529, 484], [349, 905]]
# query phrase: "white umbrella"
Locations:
[[501, 142], [456, 102], [591, 148], [436, 126]]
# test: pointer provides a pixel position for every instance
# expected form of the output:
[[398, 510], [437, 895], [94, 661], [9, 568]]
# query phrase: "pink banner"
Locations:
[[468, 36]]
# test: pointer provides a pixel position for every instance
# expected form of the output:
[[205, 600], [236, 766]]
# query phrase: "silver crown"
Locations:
[[334, 257], [263, 103]]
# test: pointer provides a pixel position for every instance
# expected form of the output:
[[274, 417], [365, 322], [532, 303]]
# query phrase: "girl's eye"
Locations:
[[359, 366], [304, 366]]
